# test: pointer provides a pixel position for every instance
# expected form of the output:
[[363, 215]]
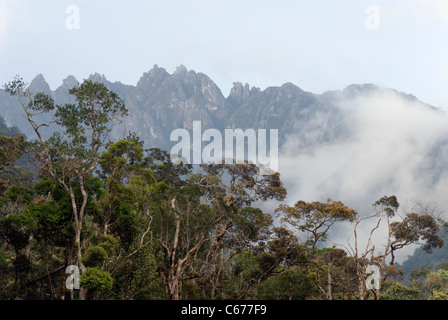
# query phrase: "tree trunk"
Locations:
[[66, 258], [329, 295], [361, 284], [78, 217]]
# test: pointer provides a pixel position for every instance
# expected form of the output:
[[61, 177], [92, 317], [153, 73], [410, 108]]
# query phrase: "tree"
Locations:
[[96, 280], [71, 160], [131, 192], [16, 229], [294, 284], [10, 151], [274, 257], [398, 291], [315, 219], [412, 228], [53, 213], [204, 218], [431, 284], [231, 190]]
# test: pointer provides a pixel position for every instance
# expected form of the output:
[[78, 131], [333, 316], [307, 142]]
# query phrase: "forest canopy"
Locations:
[[134, 225]]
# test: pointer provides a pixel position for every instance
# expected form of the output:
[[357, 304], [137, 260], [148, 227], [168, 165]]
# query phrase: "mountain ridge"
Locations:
[[307, 122], [159, 73], [161, 101]]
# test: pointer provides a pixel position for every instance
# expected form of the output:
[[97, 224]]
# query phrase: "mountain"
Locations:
[[308, 123], [161, 102], [420, 259], [7, 131]]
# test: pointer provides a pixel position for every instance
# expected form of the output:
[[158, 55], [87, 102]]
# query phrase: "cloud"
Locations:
[[396, 147]]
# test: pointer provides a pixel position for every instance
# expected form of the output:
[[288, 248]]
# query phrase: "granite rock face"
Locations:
[[161, 102]]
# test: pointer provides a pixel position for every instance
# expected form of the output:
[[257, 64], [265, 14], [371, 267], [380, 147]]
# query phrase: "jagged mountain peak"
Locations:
[[153, 77], [96, 77], [156, 70], [69, 83], [239, 93], [183, 74], [39, 84], [180, 70], [161, 102]]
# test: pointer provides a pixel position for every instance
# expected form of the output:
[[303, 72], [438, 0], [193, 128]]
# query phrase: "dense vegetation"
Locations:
[[138, 225]]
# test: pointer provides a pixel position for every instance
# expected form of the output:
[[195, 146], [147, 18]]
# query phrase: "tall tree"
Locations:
[[314, 220], [231, 190], [70, 160], [130, 195], [401, 231]]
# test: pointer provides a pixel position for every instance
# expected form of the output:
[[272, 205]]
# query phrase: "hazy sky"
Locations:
[[317, 45]]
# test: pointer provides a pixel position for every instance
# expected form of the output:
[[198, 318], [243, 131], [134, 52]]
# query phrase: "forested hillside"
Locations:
[[421, 259], [110, 219]]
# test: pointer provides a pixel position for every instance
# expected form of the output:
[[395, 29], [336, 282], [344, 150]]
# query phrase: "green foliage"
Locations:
[[19, 194], [398, 291], [54, 222], [388, 204], [95, 256], [127, 186], [438, 281], [249, 225], [439, 296], [415, 227], [16, 230], [96, 279], [108, 242], [247, 266], [44, 186], [292, 285], [96, 106], [315, 218], [94, 186], [125, 225]]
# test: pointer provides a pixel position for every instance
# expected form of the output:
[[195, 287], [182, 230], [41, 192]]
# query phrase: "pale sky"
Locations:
[[318, 45]]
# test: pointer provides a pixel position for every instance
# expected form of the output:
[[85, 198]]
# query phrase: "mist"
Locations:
[[395, 146]]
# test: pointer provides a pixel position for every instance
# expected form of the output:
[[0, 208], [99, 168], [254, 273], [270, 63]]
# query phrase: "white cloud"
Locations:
[[397, 148]]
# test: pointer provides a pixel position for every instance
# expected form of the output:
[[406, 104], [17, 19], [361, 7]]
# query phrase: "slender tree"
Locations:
[[71, 159], [401, 231]]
